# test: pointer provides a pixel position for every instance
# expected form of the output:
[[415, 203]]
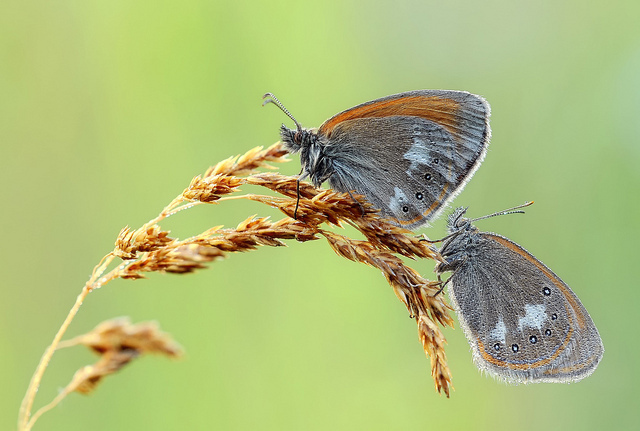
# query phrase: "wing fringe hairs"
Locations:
[[151, 249]]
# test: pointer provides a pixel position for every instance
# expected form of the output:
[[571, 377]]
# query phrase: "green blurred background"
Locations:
[[108, 109]]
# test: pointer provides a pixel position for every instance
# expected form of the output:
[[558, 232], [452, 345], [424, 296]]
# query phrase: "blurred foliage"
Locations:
[[108, 109]]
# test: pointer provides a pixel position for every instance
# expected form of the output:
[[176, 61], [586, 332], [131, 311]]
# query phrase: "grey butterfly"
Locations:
[[409, 154], [524, 324]]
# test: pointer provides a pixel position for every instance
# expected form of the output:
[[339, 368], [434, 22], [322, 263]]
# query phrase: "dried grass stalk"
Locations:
[[120, 335], [151, 249], [117, 342]]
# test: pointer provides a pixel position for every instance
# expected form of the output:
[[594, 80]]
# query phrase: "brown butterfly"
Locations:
[[409, 154], [524, 324]]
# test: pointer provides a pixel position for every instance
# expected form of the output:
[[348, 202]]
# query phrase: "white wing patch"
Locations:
[[499, 332], [534, 318], [418, 154], [397, 201]]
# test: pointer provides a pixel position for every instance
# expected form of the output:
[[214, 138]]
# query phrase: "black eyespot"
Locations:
[[419, 196], [547, 332], [405, 209], [514, 347], [436, 161], [427, 177], [546, 291], [496, 346], [554, 316], [533, 339]]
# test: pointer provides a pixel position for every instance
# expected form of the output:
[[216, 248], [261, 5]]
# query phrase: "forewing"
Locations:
[[522, 321], [410, 153]]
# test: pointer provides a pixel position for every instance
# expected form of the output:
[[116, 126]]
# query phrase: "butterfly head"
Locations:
[[457, 221], [461, 234], [297, 139]]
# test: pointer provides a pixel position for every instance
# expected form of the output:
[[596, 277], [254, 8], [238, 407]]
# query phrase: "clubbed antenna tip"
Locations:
[[270, 98]]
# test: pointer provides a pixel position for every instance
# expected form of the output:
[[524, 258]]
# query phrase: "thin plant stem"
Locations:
[[42, 410], [24, 423], [27, 404]]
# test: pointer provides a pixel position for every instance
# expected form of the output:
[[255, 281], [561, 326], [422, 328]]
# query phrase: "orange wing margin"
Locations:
[[434, 108]]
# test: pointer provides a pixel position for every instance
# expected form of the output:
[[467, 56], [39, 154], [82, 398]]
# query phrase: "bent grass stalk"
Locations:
[[150, 249]]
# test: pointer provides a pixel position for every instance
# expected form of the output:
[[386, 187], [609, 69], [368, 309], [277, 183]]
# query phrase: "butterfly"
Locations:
[[524, 324], [409, 154]]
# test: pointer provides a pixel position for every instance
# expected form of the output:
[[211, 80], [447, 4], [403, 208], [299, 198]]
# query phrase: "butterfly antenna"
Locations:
[[505, 212], [270, 98]]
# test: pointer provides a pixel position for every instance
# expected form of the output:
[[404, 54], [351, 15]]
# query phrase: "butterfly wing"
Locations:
[[410, 153], [523, 322]]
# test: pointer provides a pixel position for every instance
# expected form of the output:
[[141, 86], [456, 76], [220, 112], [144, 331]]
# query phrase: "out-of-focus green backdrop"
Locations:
[[108, 109]]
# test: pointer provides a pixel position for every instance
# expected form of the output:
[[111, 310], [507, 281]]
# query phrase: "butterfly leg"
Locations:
[[448, 279], [301, 177], [423, 237], [295, 211], [442, 285]]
